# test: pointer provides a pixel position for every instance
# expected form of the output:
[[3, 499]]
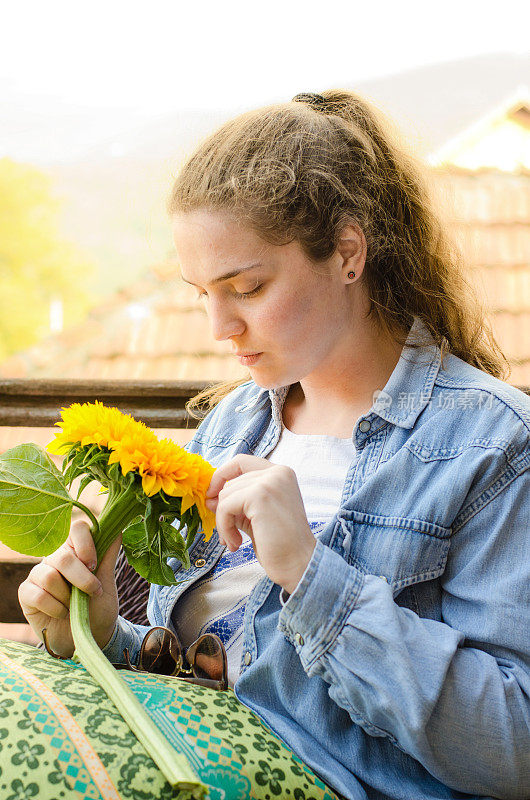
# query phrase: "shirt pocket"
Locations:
[[402, 550]]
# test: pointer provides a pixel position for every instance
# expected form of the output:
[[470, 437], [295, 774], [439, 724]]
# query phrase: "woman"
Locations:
[[370, 568]]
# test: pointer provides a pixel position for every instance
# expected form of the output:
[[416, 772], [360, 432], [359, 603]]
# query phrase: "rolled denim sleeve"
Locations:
[[126, 635], [453, 694]]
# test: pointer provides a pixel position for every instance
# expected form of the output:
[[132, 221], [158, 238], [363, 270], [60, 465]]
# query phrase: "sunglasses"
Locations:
[[203, 663]]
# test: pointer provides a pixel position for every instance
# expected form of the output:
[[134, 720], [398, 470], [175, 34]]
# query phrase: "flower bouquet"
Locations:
[[150, 483]]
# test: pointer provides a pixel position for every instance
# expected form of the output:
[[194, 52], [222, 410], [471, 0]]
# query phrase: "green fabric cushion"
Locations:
[[61, 737]]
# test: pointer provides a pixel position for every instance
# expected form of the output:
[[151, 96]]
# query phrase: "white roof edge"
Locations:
[[521, 95]]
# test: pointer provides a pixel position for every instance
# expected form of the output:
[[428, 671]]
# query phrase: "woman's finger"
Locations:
[[230, 516], [36, 600], [237, 466], [234, 484], [80, 539], [221, 475], [75, 571], [107, 567], [51, 581], [231, 484], [233, 542]]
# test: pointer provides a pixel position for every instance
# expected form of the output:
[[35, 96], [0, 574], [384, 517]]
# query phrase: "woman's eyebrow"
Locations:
[[229, 274]]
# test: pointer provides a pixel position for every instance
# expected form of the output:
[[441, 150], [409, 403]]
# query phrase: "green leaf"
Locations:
[[84, 483], [73, 470], [81, 459], [193, 527], [35, 507], [114, 472], [151, 524], [149, 562], [175, 543]]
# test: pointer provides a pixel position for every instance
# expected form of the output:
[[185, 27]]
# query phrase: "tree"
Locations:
[[37, 265]]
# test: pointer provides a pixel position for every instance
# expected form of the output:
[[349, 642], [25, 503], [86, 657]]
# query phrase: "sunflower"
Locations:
[[162, 465], [92, 423]]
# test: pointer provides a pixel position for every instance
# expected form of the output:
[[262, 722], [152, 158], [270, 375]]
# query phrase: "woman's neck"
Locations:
[[331, 402]]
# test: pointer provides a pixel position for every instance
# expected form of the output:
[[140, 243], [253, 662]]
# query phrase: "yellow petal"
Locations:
[[187, 502], [148, 482]]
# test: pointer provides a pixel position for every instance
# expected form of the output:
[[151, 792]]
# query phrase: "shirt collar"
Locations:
[[407, 392], [409, 389]]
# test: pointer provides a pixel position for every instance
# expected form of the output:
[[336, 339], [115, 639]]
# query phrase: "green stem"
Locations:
[[120, 509], [173, 765], [88, 512]]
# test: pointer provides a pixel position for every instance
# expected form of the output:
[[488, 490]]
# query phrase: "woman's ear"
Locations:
[[353, 249]]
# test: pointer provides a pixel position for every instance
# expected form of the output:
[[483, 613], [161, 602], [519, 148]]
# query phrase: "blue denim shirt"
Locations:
[[400, 665]]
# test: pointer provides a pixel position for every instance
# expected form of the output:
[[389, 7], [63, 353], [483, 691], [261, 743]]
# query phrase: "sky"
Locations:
[[108, 64]]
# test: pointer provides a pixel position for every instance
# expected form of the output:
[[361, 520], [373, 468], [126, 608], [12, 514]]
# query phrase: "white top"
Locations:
[[216, 604]]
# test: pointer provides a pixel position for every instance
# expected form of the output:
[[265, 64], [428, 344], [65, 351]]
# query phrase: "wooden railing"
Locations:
[[37, 403]]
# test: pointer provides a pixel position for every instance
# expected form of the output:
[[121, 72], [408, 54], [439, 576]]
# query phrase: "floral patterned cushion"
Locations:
[[60, 737]]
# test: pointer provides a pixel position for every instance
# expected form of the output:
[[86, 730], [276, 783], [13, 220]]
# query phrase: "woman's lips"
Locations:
[[247, 361]]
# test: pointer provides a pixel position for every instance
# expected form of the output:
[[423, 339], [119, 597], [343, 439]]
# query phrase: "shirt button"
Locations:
[[247, 659], [299, 639], [364, 425], [200, 562]]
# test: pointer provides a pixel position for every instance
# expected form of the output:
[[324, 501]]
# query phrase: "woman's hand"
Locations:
[[264, 501], [45, 594]]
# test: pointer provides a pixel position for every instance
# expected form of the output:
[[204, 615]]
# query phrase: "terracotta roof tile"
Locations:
[[513, 334], [506, 289], [485, 195]]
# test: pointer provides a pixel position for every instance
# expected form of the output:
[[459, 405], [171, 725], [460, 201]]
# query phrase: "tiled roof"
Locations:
[[490, 216], [155, 329]]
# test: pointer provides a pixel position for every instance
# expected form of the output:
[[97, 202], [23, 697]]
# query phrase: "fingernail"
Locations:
[[92, 566]]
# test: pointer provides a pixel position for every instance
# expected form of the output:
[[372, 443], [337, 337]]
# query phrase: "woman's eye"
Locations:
[[249, 294], [239, 295]]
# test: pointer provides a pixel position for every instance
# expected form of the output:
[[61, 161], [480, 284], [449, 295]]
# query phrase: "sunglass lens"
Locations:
[[161, 653], [208, 657]]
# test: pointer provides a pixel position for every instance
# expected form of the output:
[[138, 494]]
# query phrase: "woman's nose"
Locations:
[[224, 321]]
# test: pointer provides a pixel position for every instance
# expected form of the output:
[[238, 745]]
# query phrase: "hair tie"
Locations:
[[316, 101]]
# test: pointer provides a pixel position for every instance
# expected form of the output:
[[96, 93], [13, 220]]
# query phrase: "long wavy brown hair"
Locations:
[[300, 171]]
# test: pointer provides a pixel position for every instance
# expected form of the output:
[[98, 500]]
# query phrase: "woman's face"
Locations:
[[265, 299]]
